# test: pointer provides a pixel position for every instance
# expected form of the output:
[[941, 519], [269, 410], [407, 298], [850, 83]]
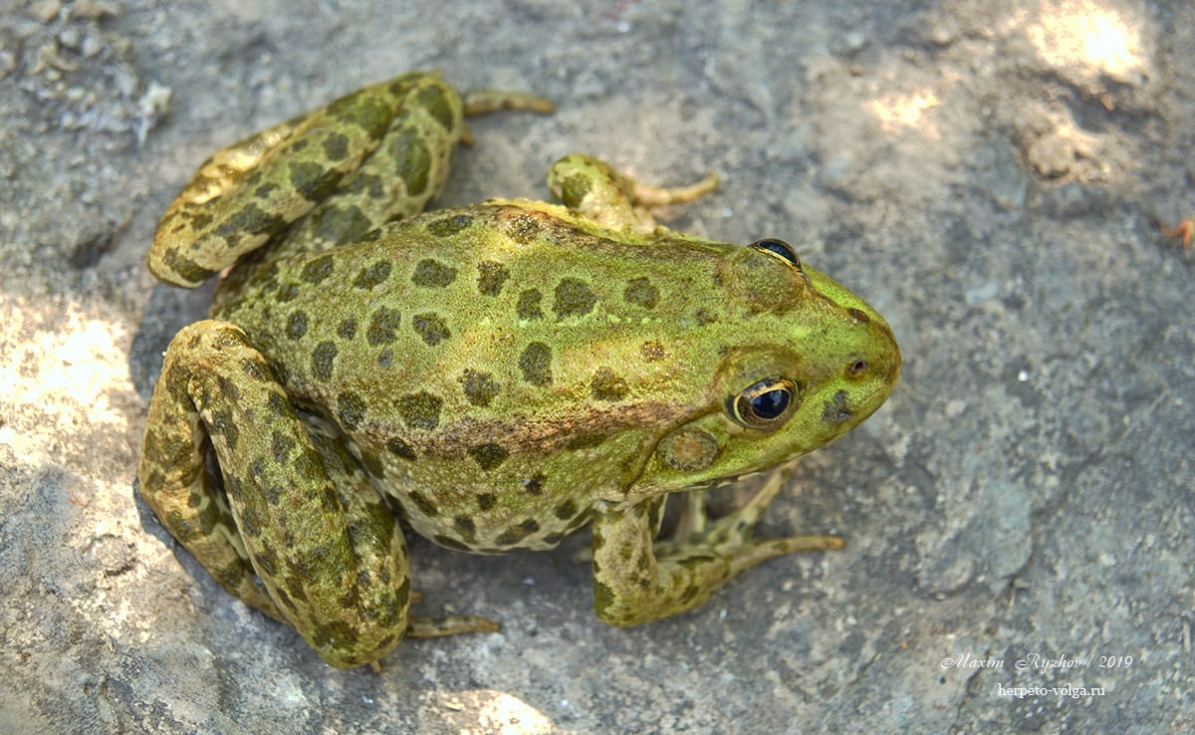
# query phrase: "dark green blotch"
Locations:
[[535, 485], [641, 292], [287, 292], [515, 534], [528, 306], [435, 101], [491, 277], [486, 501], [280, 446], [431, 327], [420, 410], [412, 160], [480, 388], [323, 358], [566, 510], [364, 110], [488, 456], [573, 189], [433, 274], [340, 225], [522, 228], [373, 275], [466, 527], [296, 325], [607, 386], [425, 506], [351, 409], [536, 364], [449, 226], [251, 220], [188, 270], [336, 147], [265, 190], [400, 448], [317, 270], [347, 328], [574, 297], [383, 326], [312, 181]]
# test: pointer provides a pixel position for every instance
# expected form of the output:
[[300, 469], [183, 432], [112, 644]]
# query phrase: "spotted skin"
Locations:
[[498, 375]]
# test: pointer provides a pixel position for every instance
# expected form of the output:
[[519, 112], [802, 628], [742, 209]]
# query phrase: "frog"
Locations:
[[490, 377]]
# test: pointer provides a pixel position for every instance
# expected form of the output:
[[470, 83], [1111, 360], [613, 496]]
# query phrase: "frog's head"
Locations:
[[803, 361]]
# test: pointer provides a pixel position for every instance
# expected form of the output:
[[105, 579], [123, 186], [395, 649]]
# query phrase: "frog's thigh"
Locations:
[[325, 547], [637, 581]]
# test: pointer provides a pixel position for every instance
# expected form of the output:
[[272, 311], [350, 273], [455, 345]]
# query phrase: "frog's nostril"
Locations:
[[857, 368]]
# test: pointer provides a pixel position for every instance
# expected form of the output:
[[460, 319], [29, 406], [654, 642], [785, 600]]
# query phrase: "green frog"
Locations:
[[494, 376]]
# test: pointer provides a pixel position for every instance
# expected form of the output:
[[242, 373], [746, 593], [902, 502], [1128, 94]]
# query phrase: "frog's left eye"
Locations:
[[765, 404], [778, 249]]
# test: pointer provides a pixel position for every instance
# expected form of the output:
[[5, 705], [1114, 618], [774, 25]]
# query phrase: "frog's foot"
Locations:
[[637, 582], [594, 189], [297, 511], [455, 625], [484, 101]]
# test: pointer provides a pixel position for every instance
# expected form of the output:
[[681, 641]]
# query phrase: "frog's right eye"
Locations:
[[765, 404], [780, 250]]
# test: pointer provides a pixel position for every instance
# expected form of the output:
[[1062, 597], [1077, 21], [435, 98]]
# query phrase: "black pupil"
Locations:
[[771, 404]]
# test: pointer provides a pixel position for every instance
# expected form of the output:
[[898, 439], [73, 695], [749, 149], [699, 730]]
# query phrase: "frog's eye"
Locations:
[[765, 404], [778, 249]]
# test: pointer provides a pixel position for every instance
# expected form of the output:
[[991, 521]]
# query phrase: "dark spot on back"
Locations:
[[641, 292], [491, 276], [574, 297], [373, 275], [653, 351], [536, 364], [480, 388], [433, 274], [431, 328], [322, 359], [420, 410], [448, 226], [382, 326], [528, 306], [347, 328], [485, 501], [607, 386], [515, 534], [317, 270], [535, 485], [296, 325]]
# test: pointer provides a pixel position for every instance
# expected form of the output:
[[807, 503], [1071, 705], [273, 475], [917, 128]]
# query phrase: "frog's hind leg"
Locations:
[[304, 536], [251, 191], [613, 200], [636, 581]]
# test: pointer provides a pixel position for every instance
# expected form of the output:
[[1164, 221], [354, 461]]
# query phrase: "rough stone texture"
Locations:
[[990, 175]]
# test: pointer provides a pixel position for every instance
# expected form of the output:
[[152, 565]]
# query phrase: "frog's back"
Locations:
[[576, 347]]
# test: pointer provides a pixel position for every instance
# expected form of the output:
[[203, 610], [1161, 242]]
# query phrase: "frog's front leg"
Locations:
[[636, 581], [300, 515], [615, 201]]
